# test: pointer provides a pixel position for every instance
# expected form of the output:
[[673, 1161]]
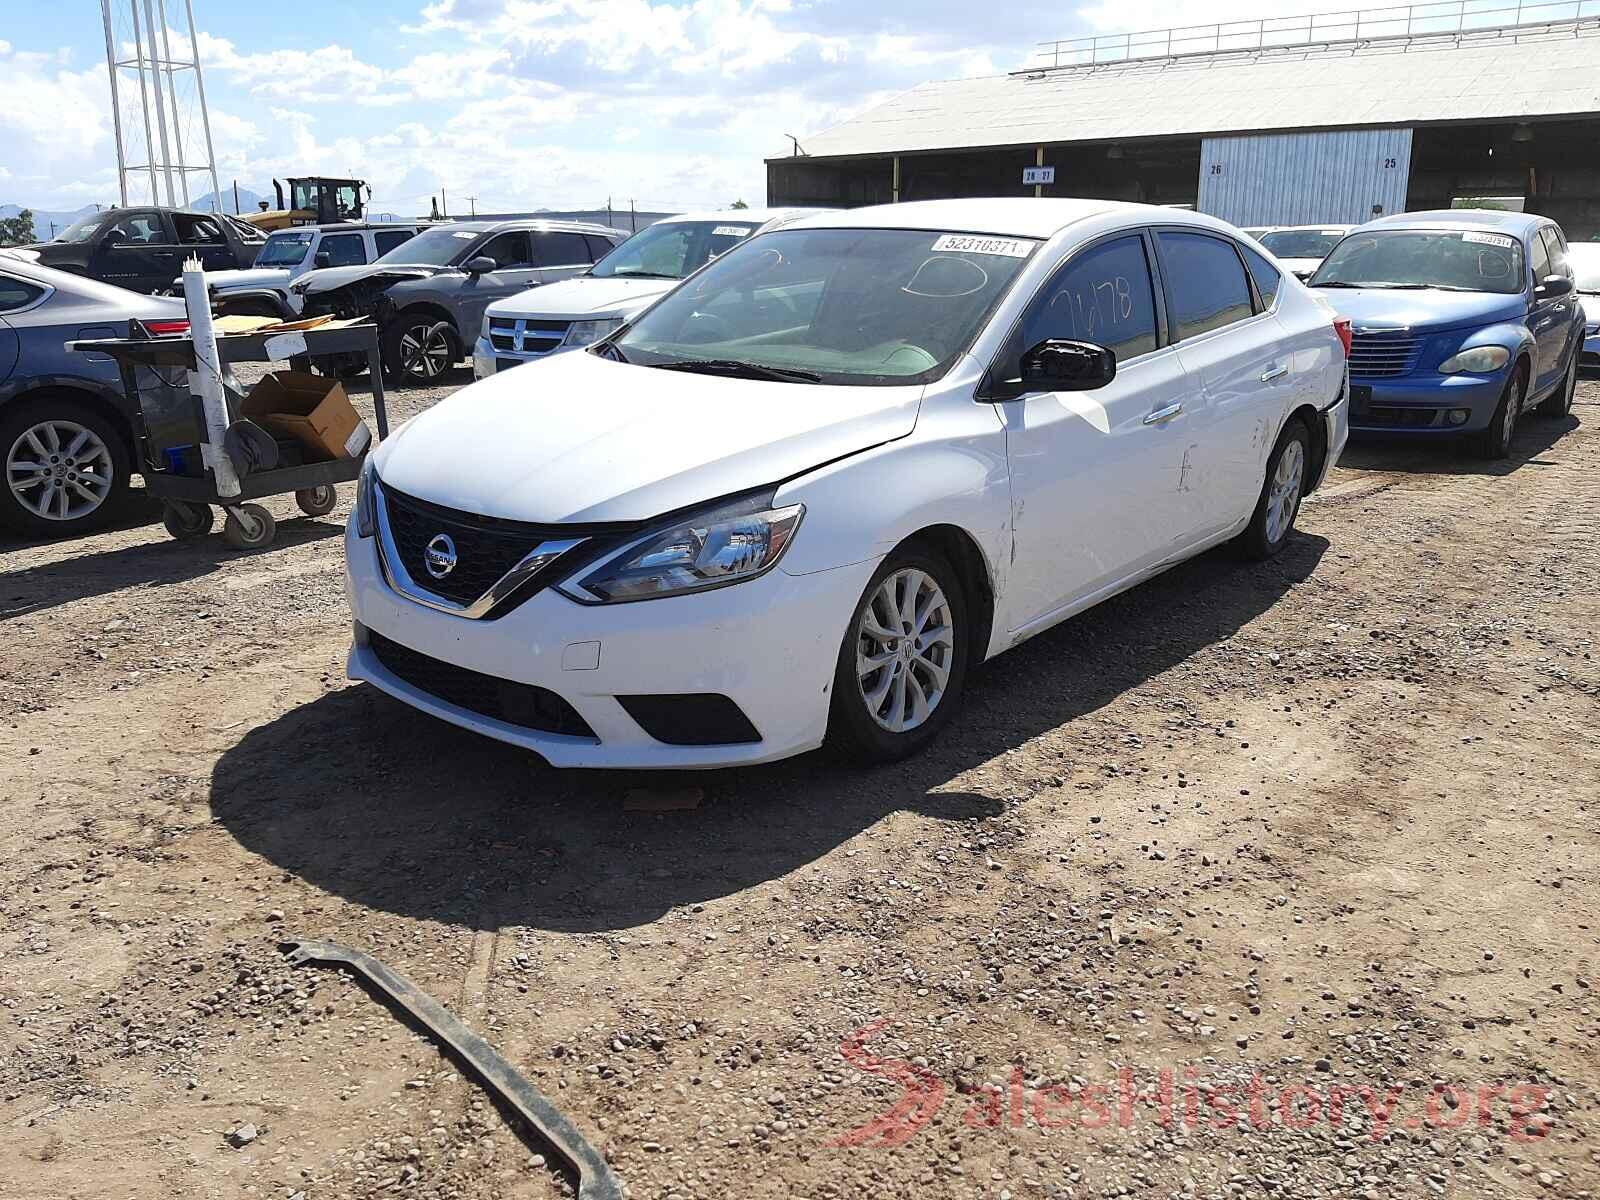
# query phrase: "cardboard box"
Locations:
[[311, 409]]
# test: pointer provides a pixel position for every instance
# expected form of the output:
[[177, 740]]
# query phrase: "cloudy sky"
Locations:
[[521, 103]]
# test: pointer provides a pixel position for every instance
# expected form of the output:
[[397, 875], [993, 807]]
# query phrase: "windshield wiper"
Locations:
[[643, 275], [1338, 283], [741, 370]]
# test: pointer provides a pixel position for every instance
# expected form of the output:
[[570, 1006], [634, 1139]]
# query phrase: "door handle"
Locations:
[[1272, 373], [1163, 414]]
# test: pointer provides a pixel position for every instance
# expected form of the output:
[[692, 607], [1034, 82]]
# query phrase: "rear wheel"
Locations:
[[1495, 441], [1559, 402], [903, 660], [66, 467], [1279, 503], [419, 348]]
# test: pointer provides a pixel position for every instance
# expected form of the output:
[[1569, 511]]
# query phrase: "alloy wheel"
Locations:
[[905, 648], [59, 470], [425, 351], [1284, 498]]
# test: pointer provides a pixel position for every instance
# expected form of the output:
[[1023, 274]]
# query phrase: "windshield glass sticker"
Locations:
[[966, 243], [730, 231], [1489, 239]]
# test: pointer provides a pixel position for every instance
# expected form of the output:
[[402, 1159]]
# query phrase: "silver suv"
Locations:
[[581, 311], [263, 289]]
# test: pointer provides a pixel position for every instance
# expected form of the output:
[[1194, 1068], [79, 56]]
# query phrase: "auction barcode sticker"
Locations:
[[1489, 239], [966, 243], [730, 231]]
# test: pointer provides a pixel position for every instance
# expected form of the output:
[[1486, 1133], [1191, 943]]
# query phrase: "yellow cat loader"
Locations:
[[313, 200]]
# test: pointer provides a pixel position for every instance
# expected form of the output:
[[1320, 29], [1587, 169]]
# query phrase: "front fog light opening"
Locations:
[[1460, 416]]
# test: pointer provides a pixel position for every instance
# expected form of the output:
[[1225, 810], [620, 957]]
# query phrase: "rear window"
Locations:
[[15, 294], [1265, 274]]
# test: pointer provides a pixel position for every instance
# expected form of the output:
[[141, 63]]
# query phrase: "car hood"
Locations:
[[1301, 266], [327, 278], [578, 438], [1431, 311], [584, 296], [264, 277]]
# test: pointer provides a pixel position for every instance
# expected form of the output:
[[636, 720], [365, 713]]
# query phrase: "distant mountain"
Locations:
[[42, 218]]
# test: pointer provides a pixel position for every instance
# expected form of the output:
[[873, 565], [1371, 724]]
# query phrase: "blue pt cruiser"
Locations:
[[1462, 319]]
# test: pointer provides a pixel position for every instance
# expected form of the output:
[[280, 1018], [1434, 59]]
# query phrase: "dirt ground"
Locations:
[[1330, 823]]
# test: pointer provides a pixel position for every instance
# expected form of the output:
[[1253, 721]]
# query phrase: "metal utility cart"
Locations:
[[168, 422]]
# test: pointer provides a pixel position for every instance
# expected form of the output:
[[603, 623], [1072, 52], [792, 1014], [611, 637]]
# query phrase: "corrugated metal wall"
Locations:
[[1328, 176]]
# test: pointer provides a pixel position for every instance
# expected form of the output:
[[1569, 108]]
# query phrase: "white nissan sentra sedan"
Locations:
[[798, 497]]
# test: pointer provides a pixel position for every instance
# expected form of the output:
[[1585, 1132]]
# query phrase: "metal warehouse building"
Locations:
[[1286, 121]]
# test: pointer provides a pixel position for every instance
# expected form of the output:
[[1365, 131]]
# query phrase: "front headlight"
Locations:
[[1480, 360], [586, 333], [730, 544], [366, 508]]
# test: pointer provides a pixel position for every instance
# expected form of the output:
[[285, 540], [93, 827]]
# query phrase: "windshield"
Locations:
[[432, 247], [1460, 261], [284, 250], [80, 231], [672, 249], [842, 306], [1585, 263], [1302, 243]]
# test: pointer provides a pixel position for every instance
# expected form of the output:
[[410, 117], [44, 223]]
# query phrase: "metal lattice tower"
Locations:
[[158, 101]]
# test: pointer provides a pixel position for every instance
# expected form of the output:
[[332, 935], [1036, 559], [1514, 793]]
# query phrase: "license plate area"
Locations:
[[1360, 399]]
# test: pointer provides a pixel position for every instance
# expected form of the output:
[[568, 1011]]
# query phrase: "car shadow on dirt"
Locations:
[[35, 589], [1535, 435], [390, 809]]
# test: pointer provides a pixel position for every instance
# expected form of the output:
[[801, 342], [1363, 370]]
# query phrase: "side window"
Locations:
[[562, 249], [507, 250], [143, 228], [197, 231], [1557, 251], [599, 247], [15, 294], [1265, 274], [1541, 259], [387, 239], [1206, 287], [343, 250], [1103, 295]]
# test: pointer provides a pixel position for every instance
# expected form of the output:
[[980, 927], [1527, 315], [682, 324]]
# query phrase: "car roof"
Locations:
[[1003, 216], [744, 216], [1307, 228], [544, 224], [69, 282], [1488, 219], [345, 227]]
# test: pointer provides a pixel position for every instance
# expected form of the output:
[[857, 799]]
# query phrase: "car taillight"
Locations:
[[1341, 326], [165, 328]]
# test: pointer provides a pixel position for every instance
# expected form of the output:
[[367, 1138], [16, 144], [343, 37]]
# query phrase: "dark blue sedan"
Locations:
[[1463, 319]]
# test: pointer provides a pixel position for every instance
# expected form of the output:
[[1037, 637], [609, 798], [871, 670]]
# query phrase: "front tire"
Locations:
[[1495, 441], [1559, 402], [420, 349], [1279, 503], [903, 661], [65, 467]]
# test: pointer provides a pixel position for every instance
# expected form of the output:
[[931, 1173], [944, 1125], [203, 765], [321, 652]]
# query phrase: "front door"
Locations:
[[1094, 474], [138, 253], [515, 271]]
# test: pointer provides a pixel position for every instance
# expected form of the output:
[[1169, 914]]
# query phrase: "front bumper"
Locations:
[[1421, 404], [769, 645], [1591, 348], [487, 360]]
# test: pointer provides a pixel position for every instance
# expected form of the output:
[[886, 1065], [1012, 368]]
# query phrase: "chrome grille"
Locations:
[[1383, 355], [487, 548], [527, 335]]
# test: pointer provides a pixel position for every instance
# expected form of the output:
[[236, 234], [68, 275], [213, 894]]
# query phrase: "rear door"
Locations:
[[1233, 353], [1093, 474], [201, 236], [562, 255], [341, 250], [16, 295], [386, 240]]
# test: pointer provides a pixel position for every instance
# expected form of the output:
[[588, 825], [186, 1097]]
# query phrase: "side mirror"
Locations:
[[481, 265], [114, 237], [1552, 287], [322, 259], [1059, 365]]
